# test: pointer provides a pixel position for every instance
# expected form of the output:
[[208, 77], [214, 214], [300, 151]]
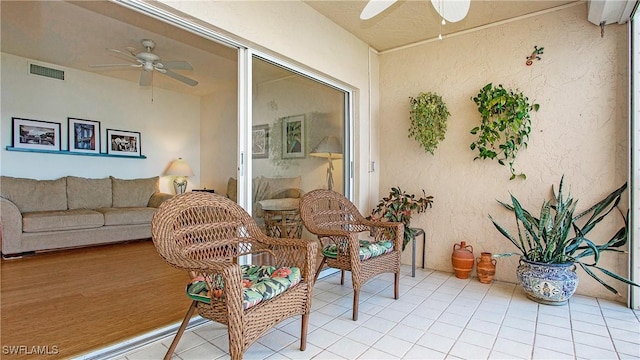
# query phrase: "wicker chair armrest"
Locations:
[[209, 266], [367, 225], [231, 277], [300, 253], [397, 227], [334, 233], [381, 224]]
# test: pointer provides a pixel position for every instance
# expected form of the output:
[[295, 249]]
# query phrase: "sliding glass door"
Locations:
[[297, 144]]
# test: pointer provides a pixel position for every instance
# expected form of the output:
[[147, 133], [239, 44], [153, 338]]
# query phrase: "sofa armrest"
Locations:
[[158, 198], [10, 227]]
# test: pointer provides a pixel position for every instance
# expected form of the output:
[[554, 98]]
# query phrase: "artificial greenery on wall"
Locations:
[[505, 126], [428, 120]]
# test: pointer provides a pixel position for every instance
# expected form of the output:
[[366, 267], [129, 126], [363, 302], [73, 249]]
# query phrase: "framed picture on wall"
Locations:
[[35, 134], [84, 136], [121, 142], [293, 142], [260, 141]]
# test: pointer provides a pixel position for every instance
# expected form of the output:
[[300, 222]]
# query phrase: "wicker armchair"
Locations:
[[204, 234], [338, 224]]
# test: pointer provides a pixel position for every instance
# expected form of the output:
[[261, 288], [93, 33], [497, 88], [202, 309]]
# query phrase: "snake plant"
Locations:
[[556, 237]]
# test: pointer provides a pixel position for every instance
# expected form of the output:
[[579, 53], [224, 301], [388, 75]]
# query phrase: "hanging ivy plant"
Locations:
[[428, 120], [505, 126]]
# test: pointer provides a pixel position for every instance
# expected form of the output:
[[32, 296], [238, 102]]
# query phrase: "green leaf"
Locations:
[[557, 237], [505, 124]]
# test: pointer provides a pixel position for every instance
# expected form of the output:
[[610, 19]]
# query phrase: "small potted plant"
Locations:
[[428, 117], [551, 245], [505, 125], [398, 207]]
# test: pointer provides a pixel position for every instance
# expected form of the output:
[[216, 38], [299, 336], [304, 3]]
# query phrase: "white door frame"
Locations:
[[634, 164]]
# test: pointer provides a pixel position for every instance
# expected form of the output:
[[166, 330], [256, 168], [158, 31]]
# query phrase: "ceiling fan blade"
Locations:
[[123, 54], [179, 77], [177, 65], [375, 7], [115, 65], [145, 78], [451, 10]]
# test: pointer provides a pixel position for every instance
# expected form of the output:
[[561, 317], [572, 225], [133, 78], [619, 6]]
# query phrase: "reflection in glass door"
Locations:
[[298, 142]]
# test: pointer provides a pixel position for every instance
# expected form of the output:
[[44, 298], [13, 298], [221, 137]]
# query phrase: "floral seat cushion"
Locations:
[[368, 249], [260, 283]]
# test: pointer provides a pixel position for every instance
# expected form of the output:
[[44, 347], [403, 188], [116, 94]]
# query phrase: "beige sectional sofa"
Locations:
[[72, 211]]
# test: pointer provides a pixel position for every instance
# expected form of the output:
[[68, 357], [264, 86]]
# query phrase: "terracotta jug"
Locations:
[[486, 268], [462, 260]]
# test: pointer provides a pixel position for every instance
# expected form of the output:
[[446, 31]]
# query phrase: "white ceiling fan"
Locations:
[[147, 61], [450, 10]]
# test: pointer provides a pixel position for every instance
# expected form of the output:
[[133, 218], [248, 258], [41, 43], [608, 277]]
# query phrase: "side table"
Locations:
[[283, 222], [419, 232]]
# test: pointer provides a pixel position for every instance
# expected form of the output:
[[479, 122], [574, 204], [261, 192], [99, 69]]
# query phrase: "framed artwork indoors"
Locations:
[[260, 142], [35, 134], [122, 142], [84, 136], [293, 141]]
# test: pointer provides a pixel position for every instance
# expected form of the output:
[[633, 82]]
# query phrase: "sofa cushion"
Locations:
[[40, 221], [35, 195], [133, 193], [268, 188], [127, 216], [83, 193], [279, 188], [232, 189], [280, 204]]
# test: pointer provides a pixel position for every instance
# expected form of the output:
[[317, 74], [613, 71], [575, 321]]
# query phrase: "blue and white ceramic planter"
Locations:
[[550, 284]]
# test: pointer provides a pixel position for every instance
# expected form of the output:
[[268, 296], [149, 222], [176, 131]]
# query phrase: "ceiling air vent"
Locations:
[[45, 71]]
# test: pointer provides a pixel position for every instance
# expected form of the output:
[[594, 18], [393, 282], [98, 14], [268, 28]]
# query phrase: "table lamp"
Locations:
[[330, 149], [180, 169]]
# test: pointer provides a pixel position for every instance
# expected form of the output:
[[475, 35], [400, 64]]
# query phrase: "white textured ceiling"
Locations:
[[77, 34], [411, 21]]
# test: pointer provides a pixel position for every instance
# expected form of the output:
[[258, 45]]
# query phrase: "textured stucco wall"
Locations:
[[580, 130]]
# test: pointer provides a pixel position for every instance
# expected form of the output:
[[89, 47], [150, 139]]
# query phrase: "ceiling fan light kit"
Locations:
[[148, 62]]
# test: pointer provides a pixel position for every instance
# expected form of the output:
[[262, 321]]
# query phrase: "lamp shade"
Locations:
[[329, 148], [179, 167]]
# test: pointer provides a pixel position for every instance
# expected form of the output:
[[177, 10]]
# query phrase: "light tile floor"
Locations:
[[438, 316]]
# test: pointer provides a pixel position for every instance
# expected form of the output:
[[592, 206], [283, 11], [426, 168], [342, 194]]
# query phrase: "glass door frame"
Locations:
[[244, 127]]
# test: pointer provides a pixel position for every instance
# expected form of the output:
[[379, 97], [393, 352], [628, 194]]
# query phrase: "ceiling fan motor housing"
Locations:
[[149, 62]]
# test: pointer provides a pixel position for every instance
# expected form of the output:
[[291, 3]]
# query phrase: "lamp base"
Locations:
[[330, 174], [180, 185]]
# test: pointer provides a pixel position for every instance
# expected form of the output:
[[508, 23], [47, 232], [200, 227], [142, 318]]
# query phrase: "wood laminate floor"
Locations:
[[66, 303]]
